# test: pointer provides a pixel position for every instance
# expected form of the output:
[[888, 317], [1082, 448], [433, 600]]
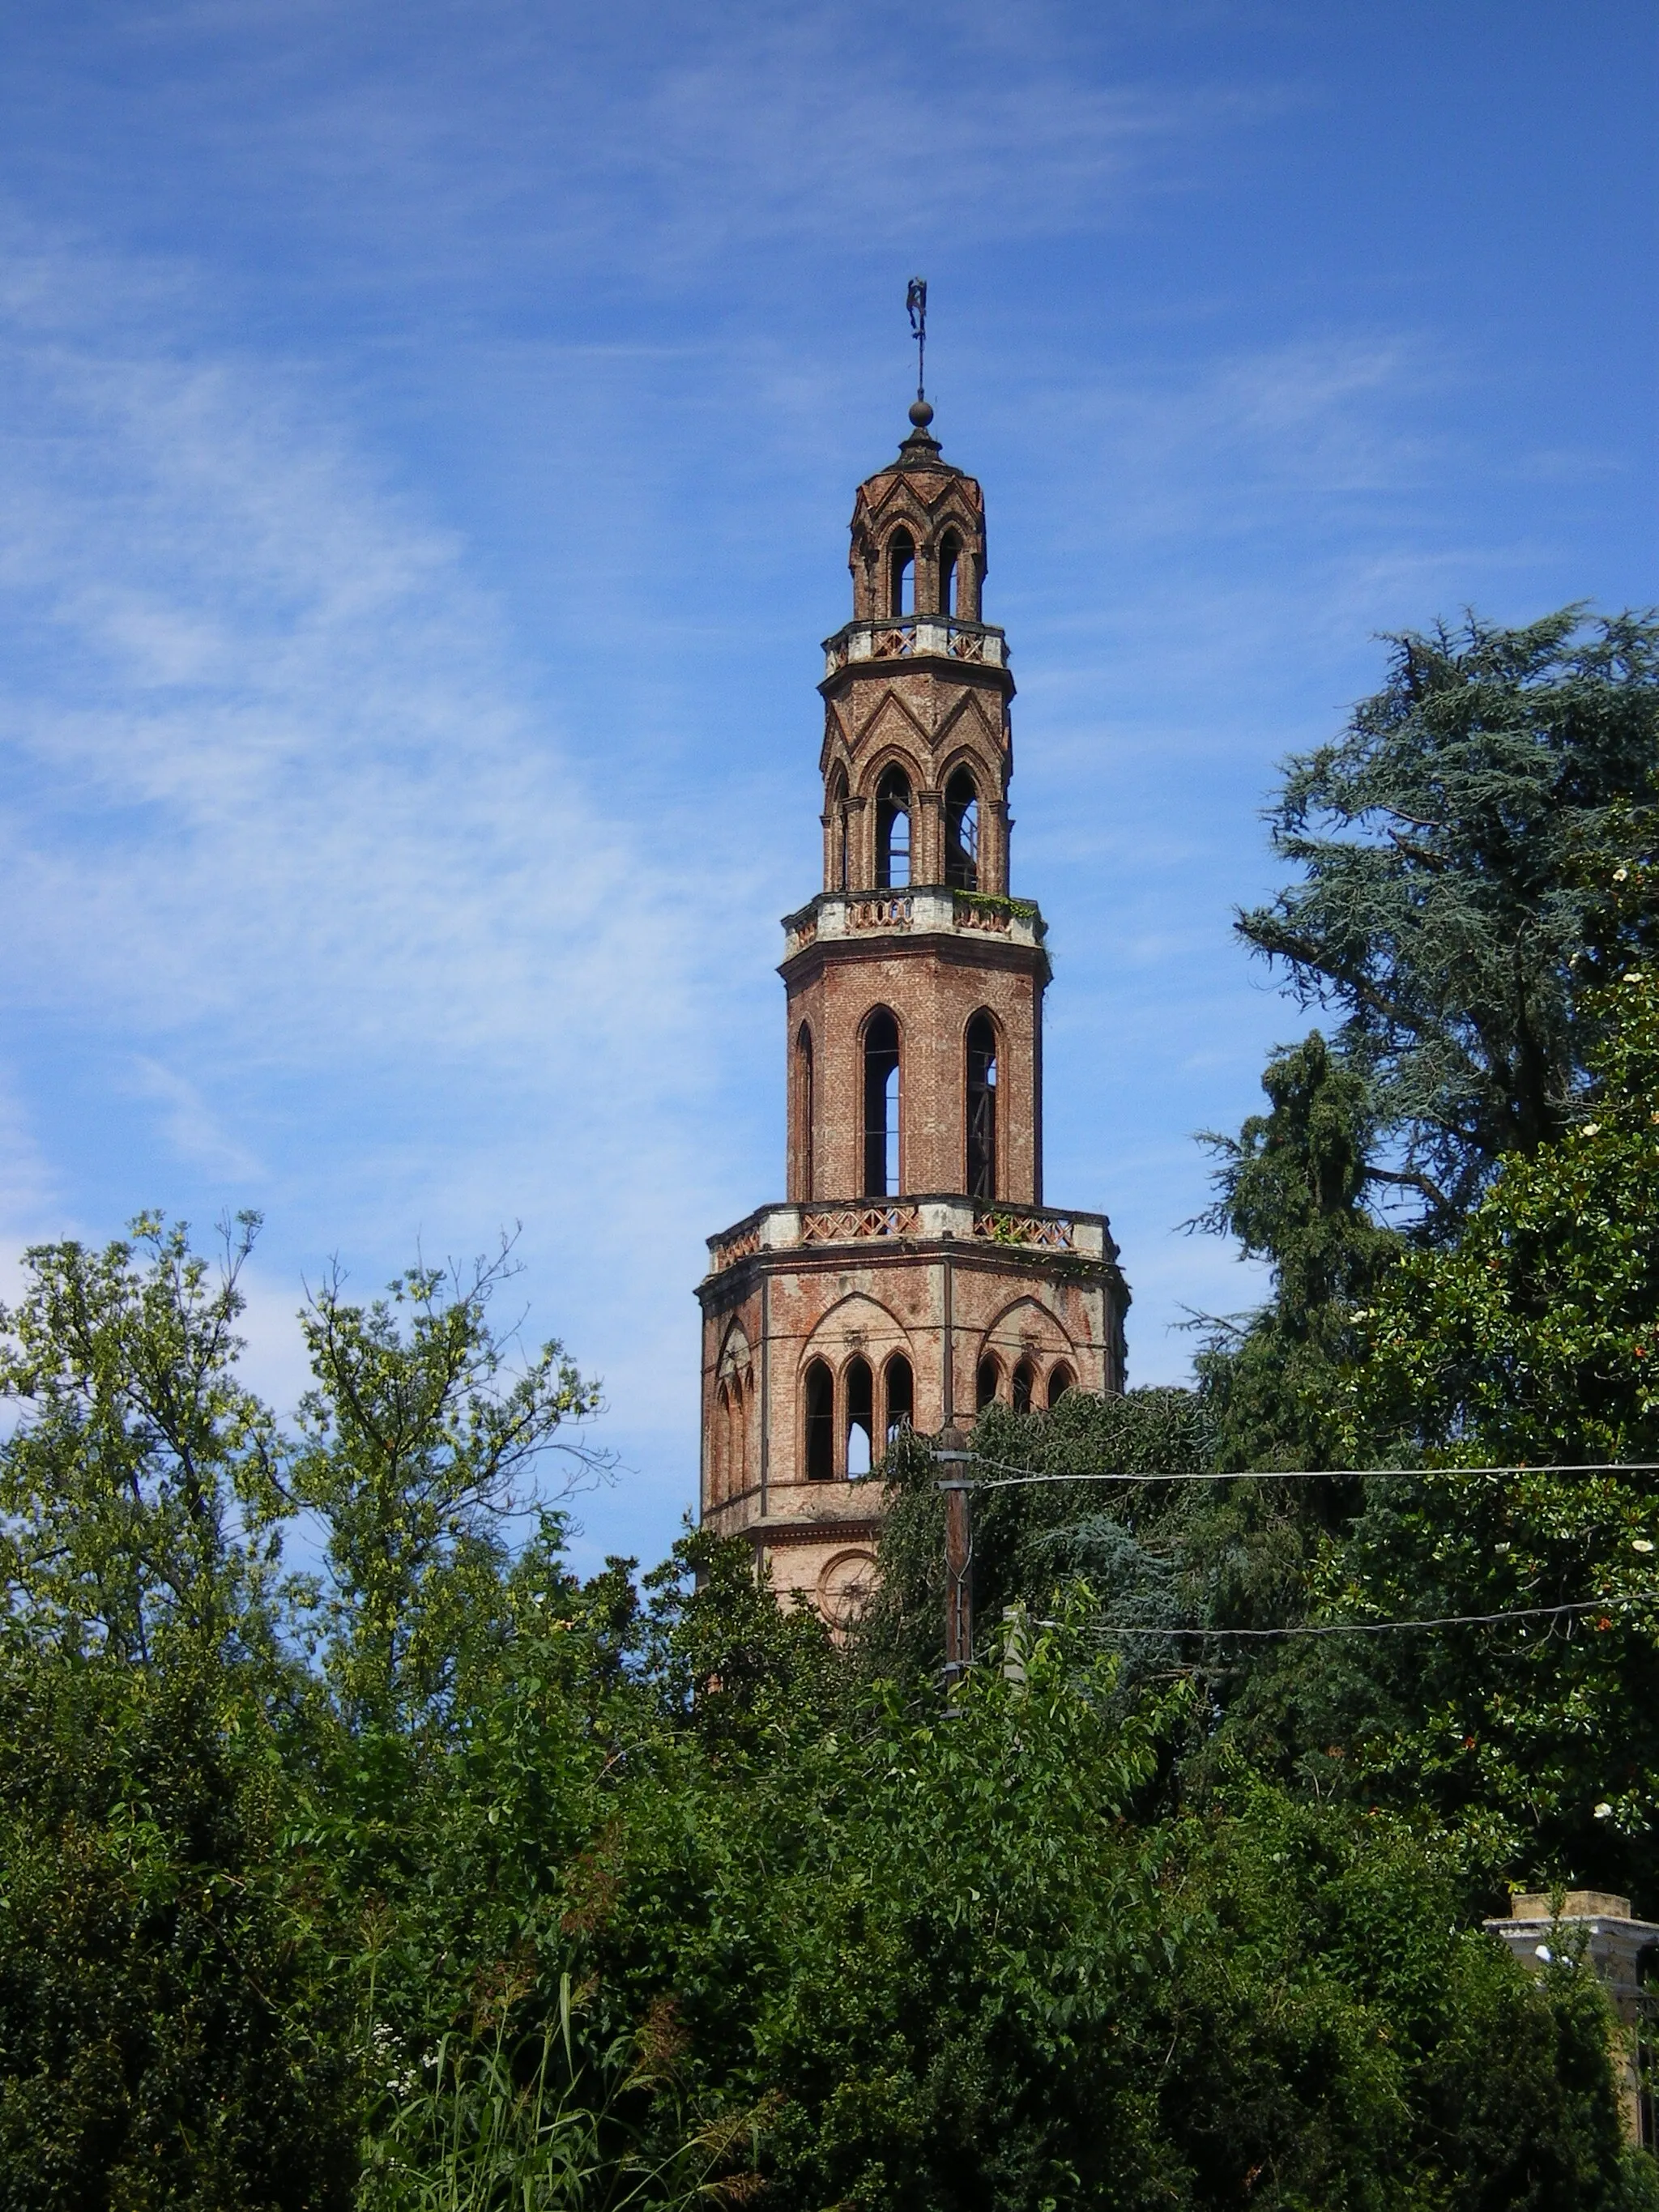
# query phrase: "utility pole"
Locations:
[[951, 1457]]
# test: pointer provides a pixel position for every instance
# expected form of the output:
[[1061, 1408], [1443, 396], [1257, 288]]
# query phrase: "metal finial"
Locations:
[[915, 301]]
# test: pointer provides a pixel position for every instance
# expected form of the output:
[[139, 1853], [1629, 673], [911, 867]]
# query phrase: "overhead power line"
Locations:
[[1014, 1478], [959, 1484], [1375, 1627]]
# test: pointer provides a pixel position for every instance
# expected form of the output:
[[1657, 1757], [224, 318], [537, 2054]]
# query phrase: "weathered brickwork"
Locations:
[[935, 986], [913, 1271]]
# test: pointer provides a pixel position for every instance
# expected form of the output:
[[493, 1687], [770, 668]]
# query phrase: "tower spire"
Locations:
[[915, 301], [915, 304]]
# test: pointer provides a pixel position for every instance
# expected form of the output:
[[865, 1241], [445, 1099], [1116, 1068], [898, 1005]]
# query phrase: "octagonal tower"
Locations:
[[913, 1273]]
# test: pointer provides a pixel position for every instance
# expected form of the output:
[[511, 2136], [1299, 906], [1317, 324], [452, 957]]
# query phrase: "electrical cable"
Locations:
[[1014, 1478], [1377, 1627]]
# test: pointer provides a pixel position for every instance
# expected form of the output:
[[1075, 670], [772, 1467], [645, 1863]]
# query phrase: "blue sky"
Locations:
[[431, 432]]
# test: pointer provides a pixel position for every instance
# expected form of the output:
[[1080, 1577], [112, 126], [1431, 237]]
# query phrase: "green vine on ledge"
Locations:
[[1017, 909]]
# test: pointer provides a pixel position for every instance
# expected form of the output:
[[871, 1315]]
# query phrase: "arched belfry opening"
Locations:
[[893, 830], [981, 1117], [804, 1109], [859, 1394], [950, 574], [838, 867], [882, 1105], [901, 575], [819, 1408], [899, 1384], [962, 831], [912, 1274]]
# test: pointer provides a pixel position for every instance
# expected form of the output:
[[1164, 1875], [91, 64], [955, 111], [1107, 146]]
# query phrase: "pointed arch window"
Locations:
[[901, 575], [1024, 1386], [858, 1396], [987, 1383], [804, 1109], [899, 1385], [981, 1108], [835, 824], [737, 1456], [819, 1395], [720, 1485], [881, 1105], [1059, 1383], [950, 574], [893, 830], [962, 831]]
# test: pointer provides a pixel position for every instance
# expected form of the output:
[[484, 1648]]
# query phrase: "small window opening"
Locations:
[[1023, 1384], [987, 1383], [859, 1385], [820, 1423], [881, 1105], [1059, 1383], [804, 1108], [961, 832], [893, 832], [901, 1387], [981, 1108], [950, 579], [901, 576]]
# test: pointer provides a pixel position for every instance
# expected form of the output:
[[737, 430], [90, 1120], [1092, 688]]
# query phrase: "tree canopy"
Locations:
[[1452, 904]]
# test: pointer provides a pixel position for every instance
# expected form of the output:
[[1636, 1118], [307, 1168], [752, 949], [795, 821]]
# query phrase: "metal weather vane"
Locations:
[[915, 303]]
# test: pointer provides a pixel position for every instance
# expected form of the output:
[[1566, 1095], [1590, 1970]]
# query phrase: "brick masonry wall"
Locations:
[[783, 1311], [935, 986]]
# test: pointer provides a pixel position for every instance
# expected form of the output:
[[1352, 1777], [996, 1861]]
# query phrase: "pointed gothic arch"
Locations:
[[898, 1388], [980, 1094], [881, 1051], [950, 573], [894, 829], [837, 869], [858, 1399], [901, 575], [962, 829], [720, 1445], [818, 1422], [803, 1106]]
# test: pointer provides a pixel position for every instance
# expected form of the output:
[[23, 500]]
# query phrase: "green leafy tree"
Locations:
[[1291, 1188], [419, 1440], [169, 2033], [139, 1491], [1532, 1343], [1452, 904], [1035, 1543]]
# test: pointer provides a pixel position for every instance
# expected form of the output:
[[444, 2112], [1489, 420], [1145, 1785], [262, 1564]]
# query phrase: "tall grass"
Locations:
[[494, 2126]]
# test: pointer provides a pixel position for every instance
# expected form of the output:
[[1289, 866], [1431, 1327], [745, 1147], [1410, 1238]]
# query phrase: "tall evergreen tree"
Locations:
[[1452, 904]]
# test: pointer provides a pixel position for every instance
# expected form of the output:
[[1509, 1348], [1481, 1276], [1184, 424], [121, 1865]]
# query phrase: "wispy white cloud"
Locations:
[[31, 1188], [191, 1126], [287, 829]]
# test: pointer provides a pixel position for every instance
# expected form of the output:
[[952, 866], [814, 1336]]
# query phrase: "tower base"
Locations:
[[827, 1325]]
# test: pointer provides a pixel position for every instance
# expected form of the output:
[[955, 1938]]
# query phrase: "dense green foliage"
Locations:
[[647, 1892], [1290, 1187], [1535, 1339], [1451, 900]]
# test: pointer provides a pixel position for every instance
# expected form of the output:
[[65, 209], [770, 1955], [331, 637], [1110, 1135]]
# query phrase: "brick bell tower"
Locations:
[[913, 1273]]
